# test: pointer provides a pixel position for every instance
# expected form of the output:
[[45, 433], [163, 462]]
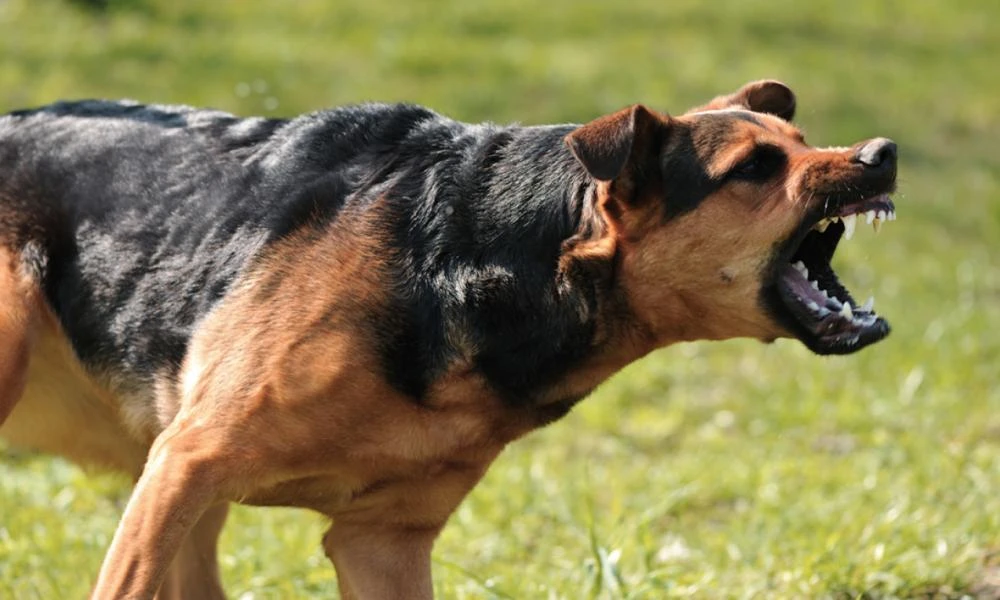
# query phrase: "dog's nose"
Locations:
[[874, 153]]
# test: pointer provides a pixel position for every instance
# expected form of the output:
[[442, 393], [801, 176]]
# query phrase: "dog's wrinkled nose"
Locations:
[[874, 153]]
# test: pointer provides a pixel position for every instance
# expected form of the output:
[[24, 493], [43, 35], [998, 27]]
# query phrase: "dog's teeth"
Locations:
[[822, 225], [812, 306], [815, 285], [845, 311], [869, 305], [891, 215], [850, 222], [834, 219], [881, 215], [876, 224], [801, 268], [869, 217]]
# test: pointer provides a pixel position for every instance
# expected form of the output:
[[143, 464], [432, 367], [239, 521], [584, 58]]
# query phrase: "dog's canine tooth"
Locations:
[[850, 222], [845, 311], [869, 305], [876, 225], [822, 225], [869, 217]]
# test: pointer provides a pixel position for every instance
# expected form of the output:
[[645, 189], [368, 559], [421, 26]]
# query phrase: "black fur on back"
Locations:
[[146, 215]]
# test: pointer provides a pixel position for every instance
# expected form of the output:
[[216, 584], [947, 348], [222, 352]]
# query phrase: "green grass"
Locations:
[[728, 470]]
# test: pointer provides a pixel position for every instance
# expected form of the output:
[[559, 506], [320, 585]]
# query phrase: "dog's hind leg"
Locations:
[[19, 295], [194, 574]]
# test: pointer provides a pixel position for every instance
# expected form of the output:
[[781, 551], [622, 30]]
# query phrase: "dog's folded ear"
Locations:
[[765, 96], [606, 145]]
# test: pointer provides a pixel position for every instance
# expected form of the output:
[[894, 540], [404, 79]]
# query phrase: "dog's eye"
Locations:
[[747, 168], [762, 164]]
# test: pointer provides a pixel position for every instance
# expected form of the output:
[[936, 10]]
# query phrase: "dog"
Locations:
[[354, 311]]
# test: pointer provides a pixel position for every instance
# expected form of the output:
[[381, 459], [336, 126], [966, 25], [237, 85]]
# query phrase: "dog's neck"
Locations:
[[564, 317], [504, 265]]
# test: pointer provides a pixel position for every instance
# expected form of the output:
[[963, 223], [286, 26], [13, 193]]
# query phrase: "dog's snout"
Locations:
[[878, 152]]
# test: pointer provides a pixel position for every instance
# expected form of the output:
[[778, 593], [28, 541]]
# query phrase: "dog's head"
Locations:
[[724, 220]]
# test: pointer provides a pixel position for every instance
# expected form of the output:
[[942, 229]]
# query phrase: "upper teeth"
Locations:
[[872, 217], [875, 218], [850, 221]]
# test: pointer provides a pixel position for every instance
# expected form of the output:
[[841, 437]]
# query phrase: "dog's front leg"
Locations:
[[194, 574], [184, 476], [381, 546], [376, 562]]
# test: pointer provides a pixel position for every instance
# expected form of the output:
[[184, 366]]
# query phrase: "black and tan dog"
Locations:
[[354, 311]]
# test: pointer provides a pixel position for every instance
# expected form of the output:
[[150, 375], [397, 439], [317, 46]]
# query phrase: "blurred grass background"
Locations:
[[729, 470]]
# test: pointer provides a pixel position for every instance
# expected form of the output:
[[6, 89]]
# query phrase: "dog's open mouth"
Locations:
[[829, 319]]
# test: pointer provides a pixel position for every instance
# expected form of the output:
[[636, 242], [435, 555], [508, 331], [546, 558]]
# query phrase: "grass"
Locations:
[[728, 470]]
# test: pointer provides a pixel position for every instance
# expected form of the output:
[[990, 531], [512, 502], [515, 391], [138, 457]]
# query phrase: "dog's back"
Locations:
[[135, 221], [138, 218], [131, 222]]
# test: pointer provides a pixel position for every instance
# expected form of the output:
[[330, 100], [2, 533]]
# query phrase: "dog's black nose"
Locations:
[[875, 152]]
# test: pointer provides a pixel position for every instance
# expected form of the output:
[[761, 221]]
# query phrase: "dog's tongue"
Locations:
[[827, 314], [798, 284]]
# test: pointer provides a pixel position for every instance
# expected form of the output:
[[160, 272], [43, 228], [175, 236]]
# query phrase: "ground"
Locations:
[[723, 470]]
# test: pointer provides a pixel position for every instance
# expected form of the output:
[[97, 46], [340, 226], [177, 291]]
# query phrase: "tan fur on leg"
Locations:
[[381, 547], [194, 574], [381, 563], [182, 480]]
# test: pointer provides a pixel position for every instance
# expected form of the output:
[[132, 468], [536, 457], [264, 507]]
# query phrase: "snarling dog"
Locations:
[[354, 311]]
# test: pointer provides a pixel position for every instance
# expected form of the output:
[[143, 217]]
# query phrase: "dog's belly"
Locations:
[[64, 411]]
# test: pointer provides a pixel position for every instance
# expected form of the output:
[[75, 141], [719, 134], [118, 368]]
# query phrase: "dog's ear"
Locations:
[[765, 96], [605, 145]]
